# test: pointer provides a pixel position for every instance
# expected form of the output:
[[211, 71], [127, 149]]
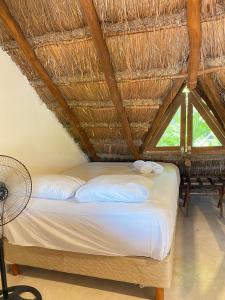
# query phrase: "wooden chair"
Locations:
[[197, 183]]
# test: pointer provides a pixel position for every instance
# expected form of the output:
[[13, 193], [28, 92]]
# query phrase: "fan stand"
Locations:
[[14, 292]]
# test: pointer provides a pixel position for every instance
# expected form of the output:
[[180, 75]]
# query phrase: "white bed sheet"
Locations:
[[112, 229]]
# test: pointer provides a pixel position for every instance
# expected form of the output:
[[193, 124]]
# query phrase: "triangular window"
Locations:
[[171, 136], [202, 136], [188, 125]]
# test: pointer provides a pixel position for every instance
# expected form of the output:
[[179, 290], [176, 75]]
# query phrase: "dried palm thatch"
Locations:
[[148, 46]]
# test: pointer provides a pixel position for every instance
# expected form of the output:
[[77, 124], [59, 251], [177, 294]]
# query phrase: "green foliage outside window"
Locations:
[[171, 136], [202, 134]]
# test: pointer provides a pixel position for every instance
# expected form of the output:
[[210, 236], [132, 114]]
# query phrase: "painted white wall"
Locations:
[[28, 130]]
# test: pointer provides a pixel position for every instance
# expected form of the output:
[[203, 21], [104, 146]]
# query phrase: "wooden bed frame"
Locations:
[[144, 271]]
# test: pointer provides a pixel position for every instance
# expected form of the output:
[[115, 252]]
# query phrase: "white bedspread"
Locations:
[[113, 229]]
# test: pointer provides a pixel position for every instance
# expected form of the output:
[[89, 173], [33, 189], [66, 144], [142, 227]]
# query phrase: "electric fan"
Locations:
[[15, 192]]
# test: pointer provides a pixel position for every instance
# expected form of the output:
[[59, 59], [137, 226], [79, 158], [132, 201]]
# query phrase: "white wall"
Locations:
[[28, 130]]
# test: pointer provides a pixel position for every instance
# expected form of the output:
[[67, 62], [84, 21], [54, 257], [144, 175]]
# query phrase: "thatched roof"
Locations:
[[148, 45]]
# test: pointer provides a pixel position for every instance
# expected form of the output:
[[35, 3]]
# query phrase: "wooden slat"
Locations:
[[217, 150], [176, 88], [189, 126], [199, 181], [209, 89], [103, 53], [208, 116], [183, 123], [16, 33], [194, 32], [166, 119]]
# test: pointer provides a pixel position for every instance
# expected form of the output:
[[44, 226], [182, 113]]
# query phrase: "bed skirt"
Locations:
[[138, 270]]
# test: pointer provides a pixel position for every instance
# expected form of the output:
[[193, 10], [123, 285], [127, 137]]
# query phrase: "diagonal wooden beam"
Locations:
[[171, 110], [205, 97], [177, 86], [91, 17], [210, 90], [16, 33], [194, 33], [205, 112]]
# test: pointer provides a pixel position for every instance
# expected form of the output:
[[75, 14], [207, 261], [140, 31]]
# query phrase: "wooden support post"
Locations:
[[15, 269], [17, 33], [189, 126], [159, 294], [183, 123], [194, 32], [103, 53]]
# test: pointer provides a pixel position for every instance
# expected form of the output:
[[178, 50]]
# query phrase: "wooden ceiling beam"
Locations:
[[177, 86], [194, 33], [17, 33], [92, 20], [210, 90]]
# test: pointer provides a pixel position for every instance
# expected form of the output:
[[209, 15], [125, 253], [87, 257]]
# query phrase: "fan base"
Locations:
[[15, 293]]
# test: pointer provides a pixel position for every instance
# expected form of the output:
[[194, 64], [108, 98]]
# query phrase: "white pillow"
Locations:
[[115, 188], [58, 187]]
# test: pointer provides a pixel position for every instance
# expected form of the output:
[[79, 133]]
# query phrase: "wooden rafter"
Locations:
[[209, 89], [171, 110], [194, 32], [207, 116], [16, 33], [177, 86], [205, 97], [103, 53]]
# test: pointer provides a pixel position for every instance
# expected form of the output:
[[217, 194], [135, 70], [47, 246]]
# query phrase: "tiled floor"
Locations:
[[199, 267]]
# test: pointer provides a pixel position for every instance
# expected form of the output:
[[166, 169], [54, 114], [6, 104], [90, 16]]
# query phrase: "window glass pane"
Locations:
[[171, 136], [202, 134]]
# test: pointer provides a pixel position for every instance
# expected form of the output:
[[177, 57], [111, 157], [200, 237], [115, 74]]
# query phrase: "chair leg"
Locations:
[[187, 200], [15, 269], [159, 294], [220, 202]]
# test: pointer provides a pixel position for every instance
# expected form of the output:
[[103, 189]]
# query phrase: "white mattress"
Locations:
[[113, 229]]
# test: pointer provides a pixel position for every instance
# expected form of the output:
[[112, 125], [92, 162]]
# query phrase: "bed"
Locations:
[[131, 242]]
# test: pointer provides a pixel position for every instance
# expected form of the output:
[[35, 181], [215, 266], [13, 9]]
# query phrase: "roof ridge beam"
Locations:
[[194, 33], [103, 53], [16, 32]]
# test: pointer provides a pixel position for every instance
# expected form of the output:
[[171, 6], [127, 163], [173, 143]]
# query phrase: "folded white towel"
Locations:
[[148, 167], [138, 164], [157, 168]]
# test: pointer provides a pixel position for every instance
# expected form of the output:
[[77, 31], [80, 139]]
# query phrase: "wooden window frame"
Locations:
[[186, 127]]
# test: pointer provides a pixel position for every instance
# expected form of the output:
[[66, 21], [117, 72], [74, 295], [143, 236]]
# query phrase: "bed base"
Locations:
[[159, 292], [143, 271]]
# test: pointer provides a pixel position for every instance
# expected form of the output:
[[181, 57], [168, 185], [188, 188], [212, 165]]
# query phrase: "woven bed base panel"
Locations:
[[138, 270]]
